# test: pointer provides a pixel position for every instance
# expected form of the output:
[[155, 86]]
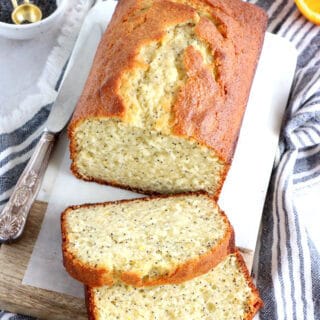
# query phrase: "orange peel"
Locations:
[[310, 9]]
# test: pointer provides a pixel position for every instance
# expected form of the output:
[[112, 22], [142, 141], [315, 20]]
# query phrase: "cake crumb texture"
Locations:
[[145, 241], [224, 293], [163, 105]]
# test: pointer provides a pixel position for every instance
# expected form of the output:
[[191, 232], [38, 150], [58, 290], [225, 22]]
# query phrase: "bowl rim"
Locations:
[[60, 6]]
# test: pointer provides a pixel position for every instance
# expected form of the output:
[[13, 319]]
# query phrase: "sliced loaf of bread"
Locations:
[[224, 293], [148, 241]]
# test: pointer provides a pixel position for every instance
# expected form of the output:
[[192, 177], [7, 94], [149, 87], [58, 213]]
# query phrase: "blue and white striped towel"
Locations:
[[287, 263]]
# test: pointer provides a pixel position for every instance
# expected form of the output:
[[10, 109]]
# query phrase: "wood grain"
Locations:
[[28, 300]]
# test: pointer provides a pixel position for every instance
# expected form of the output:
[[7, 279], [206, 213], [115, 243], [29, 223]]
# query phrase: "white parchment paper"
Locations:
[[244, 191]]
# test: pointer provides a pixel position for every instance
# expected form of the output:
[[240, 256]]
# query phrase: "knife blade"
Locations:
[[73, 83], [14, 215]]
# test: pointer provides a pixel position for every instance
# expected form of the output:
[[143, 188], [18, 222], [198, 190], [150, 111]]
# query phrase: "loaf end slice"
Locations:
[[145, 242], [224, 293]]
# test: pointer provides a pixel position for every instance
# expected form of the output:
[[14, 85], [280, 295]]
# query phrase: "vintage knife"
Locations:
[[14, 215]]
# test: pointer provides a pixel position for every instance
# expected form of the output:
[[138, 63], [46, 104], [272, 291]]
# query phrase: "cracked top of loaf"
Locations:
[[180, 67]]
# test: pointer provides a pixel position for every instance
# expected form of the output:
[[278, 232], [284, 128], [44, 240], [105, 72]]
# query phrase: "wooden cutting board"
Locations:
[[43, 304], [18, 298]]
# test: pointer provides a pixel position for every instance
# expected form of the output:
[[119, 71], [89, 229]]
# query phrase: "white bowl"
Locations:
[[32, 30]]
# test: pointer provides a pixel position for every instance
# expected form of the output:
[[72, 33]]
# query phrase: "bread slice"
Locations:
[[149, 241], [224, 293], [163, 104]]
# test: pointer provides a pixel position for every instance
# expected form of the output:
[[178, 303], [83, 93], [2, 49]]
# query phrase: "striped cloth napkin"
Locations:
[[287, 262]]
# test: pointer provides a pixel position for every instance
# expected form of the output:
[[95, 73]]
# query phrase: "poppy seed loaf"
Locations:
[[145, 241], [224, 293], [163, 104]]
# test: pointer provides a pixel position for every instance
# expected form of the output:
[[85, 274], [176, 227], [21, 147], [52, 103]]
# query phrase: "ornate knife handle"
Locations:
[[14, 215]]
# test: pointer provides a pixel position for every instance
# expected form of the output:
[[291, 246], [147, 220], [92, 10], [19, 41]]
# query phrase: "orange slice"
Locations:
[[310, 9]]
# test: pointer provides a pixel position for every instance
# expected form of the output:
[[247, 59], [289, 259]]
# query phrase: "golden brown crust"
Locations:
[[95, 277], [222, 99], [190, 269], [214, 114], [77, 269], [257, 302], [255, 306], [89, 300]]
